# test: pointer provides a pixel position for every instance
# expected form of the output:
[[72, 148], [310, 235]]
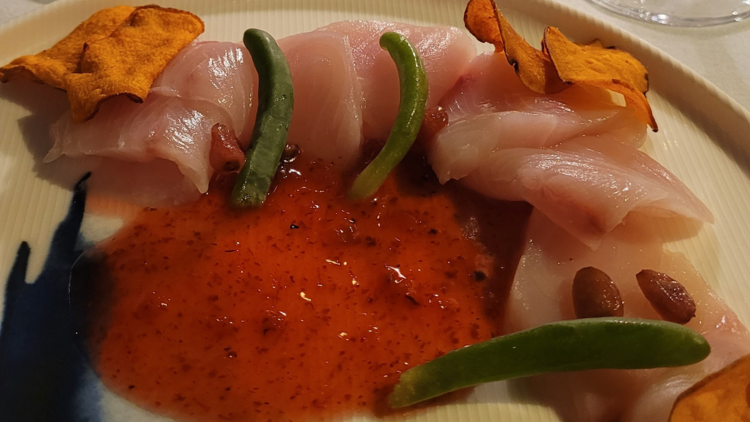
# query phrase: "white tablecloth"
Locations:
[[720, 54]]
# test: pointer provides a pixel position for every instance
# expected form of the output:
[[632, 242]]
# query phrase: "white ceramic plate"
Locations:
[[704, 139]]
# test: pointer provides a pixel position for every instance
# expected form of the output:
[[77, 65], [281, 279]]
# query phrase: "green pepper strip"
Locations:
[[595, 343], [414, 90], [275, 104]]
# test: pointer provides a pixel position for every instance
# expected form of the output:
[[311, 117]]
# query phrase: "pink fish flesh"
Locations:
[[587, 186], [327, 118], [174, 122], [490, 85], [445, 52], [542, 293]]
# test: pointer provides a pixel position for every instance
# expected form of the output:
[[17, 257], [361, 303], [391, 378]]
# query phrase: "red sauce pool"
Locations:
[[308, 307]]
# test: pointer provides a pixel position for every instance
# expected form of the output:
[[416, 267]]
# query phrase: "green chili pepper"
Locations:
[[594, 343], [275, 104], [414, 90]]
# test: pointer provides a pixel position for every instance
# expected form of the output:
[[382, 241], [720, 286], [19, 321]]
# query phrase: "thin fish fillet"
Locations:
[[209, 83], [460, 148], [542, 293], [445, 52], [164, 129], [327, 118], [220, 73], [174, 122], [572, 155], [489, 109], [490, 85], [587, 186]]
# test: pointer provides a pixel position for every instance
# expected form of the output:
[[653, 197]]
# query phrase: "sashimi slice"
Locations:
[[327, 118], [445, 51], [490, 85], [572, 155], [542, 293], [207, 83], [169, 128], [587, 186], [220, 73], [462, 146]]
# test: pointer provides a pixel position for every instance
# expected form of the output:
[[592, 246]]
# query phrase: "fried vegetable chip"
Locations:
[[51, 66], [480, 18], [593, 61], [561, 63], [720, 397], [607, 68], [533, 67], [127, 61]]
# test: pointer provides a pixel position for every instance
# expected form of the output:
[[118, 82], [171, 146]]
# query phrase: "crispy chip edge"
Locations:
[[742, 360], [84, 108], [551, 82], [470, 19], [634, 98], [20, 68]]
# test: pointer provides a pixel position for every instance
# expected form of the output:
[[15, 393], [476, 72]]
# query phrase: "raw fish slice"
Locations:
[[462, 146], [221, 73], [541, 293], [445, 52], [586, 186], [163, 127], [327, 120], [208, 83], [490, 85], [508, 142]]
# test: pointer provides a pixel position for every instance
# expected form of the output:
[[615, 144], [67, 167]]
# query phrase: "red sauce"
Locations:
[[308, 307]]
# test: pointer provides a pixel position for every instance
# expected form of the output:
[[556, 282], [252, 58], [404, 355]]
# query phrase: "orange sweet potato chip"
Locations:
[[561, 63], [720, 397], [480, 18], [51, 66], [606, 68], [533, 67], [128, 61], [593, 61]]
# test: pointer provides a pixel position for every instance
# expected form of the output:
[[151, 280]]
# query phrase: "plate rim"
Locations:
[[545, 7]]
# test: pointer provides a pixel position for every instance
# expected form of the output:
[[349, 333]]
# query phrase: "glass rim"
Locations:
[[640, 13]]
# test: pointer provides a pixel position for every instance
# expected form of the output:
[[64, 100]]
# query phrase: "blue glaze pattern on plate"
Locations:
[[43, 372]]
